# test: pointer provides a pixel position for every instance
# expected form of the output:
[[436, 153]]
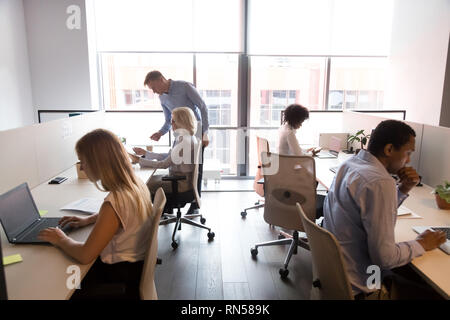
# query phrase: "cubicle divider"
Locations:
[[354, 121], [36, 153], [432, 152], [435, 155]]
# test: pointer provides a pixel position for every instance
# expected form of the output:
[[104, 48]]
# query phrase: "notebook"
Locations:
[[20, 217]]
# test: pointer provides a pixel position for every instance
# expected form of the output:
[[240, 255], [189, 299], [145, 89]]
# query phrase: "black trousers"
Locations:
[[200, 176], [95, 283], [319, 205], [402, 283]]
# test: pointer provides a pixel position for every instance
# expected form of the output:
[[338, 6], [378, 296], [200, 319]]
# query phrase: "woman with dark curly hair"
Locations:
[[293, 117]]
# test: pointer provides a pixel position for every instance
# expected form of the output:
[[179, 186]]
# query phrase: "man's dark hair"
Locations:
[[151, 76], [295, 114], [389, 131]]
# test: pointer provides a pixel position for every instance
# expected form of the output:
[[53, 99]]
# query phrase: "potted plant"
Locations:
[[360, 137], [442, 193]]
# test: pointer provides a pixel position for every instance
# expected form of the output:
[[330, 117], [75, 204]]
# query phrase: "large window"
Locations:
[[277, 82], [357, 83], [123, 77], [217, 82], [247, 66]]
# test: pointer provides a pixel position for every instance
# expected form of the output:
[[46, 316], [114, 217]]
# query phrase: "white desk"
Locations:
[[42, 273], [434, 265]]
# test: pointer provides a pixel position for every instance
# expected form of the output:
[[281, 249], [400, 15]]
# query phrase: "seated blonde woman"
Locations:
[[179, 159]]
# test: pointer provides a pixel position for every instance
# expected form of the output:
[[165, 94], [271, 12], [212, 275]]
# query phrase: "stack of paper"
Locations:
[[85, 205], [405, 213]]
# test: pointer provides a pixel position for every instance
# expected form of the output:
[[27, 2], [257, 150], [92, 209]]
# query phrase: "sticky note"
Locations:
[[12, 259], [43, 212]]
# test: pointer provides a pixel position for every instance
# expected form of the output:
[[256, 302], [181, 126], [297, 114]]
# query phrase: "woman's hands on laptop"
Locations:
[[56, 235], [77, 222], [314, 150]]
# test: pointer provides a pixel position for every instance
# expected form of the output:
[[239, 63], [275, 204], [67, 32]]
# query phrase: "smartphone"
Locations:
[[58, 180]]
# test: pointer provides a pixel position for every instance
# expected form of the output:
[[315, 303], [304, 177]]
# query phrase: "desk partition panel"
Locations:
[[18, 159], [435, 155], [354, 121], [38, 152], [55, 142]]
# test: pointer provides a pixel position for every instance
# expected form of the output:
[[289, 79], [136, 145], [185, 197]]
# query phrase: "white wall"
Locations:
[[59, 59], [16, 107], [419, 44]]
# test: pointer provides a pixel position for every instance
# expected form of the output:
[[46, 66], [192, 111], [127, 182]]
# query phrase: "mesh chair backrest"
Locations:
[[328, 262], [262, 145], [147, 287], [197, 152], [288, 180]]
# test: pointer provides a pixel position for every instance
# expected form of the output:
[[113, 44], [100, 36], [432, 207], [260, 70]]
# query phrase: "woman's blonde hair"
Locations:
[[108, 160], [185, 119]]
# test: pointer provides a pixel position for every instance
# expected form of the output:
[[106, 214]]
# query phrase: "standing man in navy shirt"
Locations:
[[174, 94]]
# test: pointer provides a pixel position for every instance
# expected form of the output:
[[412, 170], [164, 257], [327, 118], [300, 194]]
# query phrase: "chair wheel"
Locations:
[[243, 214], [254, 252], [202, 220], [284, 273], [280, 236], [211, 236], [174, 245]]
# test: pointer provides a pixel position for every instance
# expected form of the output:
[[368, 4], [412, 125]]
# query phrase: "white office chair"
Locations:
[[287, 180], [147, 289], [262, 145], [330, 279]]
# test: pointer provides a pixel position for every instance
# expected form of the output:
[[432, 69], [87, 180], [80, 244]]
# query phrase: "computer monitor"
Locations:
[[3, 292]]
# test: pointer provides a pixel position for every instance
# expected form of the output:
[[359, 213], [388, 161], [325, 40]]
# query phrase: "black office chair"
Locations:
[[177, 200]]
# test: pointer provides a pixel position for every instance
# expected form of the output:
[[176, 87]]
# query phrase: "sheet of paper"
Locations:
[[405, 213], [85, 205], [12, 259]]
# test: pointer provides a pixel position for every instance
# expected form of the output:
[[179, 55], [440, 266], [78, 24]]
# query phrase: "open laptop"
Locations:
[[446, 245], [333, 152], [20, 217], [3, 292]]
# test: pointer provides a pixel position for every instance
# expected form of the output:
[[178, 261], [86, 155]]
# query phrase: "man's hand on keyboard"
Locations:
[[430, 240]]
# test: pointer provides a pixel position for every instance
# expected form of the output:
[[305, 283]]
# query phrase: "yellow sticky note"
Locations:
[[43, 212], [12, 259]]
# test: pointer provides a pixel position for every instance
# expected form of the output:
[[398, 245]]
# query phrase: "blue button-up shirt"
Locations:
[[183, 94], [361, 211]]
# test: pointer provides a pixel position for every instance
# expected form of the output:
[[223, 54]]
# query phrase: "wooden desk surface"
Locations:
[[434, 265], [42, 273]]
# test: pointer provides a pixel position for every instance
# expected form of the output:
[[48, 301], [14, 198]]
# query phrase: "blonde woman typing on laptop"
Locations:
[[293, 117], [179, 160], [119, 238]]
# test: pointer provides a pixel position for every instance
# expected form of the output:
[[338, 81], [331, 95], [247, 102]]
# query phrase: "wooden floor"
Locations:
[[224, 268]]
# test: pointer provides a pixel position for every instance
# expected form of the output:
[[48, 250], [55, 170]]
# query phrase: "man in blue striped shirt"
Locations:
[[360, 209], [174, 94]]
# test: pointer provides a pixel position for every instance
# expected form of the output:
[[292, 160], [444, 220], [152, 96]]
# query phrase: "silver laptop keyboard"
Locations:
[[445, 229]]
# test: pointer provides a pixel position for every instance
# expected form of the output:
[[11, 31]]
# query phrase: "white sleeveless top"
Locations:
[[131, 241], [288, 143]]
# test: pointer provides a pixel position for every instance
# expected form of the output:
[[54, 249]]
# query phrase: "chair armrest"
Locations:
[[173, 178]]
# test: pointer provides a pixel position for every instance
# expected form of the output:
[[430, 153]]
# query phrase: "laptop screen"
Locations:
[[335, 144], [17, 210], [3, 292]]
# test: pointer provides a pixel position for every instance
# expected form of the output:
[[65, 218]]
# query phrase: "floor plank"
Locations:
[[224, 268]]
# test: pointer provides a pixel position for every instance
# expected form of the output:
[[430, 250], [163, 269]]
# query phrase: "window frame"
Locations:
[[243, 87]]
